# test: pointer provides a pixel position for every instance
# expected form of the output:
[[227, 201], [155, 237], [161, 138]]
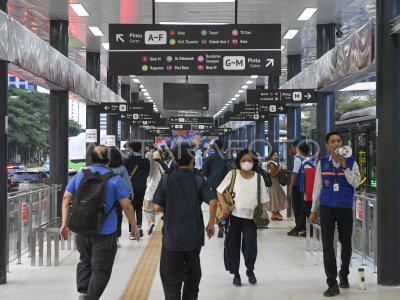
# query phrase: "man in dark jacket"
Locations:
[[215, 169], [138, 169]]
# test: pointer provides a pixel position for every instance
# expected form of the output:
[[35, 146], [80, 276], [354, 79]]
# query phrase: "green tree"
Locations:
[[74, 128]]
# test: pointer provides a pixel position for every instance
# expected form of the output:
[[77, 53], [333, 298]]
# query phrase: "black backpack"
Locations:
[[87, 212]]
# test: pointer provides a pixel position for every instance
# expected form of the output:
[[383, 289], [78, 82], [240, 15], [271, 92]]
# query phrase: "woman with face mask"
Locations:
[[241, 225]]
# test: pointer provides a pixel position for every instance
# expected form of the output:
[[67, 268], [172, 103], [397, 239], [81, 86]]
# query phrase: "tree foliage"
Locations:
[[74, 128]]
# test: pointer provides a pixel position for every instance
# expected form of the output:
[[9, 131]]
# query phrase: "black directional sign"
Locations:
[[272, 108], [175, 37], [282, 97], [161, 132], [244, 49], [192, 120], [123, 107], [187, 126], [218, 131]]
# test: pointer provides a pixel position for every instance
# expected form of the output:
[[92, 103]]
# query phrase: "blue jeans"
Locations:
[[97, 254]]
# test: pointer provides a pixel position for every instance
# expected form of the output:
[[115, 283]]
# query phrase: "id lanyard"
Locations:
[[336, 183]]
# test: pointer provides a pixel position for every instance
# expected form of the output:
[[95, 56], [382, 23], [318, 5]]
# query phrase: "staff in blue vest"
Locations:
[[336, 178]]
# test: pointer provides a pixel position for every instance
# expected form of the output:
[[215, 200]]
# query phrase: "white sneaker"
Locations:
[[118, 244], [132, 237]]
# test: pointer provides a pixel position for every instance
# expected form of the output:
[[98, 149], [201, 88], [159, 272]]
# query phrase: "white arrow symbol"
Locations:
[[308, 96], [122, 116], [119, 37], [263, 116], [280, 108], [106, 107], [271, 62]]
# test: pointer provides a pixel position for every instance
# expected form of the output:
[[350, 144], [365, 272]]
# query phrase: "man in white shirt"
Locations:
[[336, 178]]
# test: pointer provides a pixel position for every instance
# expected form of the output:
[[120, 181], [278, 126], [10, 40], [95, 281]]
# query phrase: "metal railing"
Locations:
[[25, 212], [364, 239]]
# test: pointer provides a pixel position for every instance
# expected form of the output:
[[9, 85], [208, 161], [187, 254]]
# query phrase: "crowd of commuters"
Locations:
[[175, 182]]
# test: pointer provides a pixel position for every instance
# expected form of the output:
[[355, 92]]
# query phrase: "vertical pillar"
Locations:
[[259, 129], [273, 121], [92, 111], [326, 101], [3, 163], [388, 145], [250, 134], [125, 127], [59, 116], [135, 128], [242, 137], [112, 122]]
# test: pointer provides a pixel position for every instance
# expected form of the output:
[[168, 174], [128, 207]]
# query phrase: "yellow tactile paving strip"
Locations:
[[140, 282]]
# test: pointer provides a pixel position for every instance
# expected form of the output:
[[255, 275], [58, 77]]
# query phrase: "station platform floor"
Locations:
[[284, 269]]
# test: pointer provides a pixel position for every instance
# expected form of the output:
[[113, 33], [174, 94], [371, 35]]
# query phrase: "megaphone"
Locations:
[[344, 151]]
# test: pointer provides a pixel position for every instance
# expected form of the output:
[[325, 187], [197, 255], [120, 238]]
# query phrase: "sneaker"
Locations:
[[303, 233], [236, 280], [150, 231], [82, 296], [132, 237], [343, 282], [252, 277], [118, 243], [293, 232], [221, 232], [140, 231], [332, 291]]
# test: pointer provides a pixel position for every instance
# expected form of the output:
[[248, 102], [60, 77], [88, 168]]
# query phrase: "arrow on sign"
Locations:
[[122, 116], [308, 96], [119, 37], [106, 107], [270, 62], [280, 108]]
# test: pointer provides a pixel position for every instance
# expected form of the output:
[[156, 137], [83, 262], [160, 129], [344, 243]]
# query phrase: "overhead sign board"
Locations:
[[192, 120], [123, 107], [161, 132], [218, 131], [245, 49], [188, 126], [186, 37], [282, 97]]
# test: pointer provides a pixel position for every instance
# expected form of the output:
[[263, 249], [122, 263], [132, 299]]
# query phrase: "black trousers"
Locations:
[[240, 231], [297, 200], [343, 217], [305, 211], [97, 254], [119, 216], [138, 197], [177, 268]]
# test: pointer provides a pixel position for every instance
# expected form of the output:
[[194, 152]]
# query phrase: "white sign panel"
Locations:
[[110, 141], [77, 147], [91, 135], [122, 144]]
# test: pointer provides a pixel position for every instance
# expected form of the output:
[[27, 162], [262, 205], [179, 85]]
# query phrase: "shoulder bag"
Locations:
[[229, 196], [258, 211]]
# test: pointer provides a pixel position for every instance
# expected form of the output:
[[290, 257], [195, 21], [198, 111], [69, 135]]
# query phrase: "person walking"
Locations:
[[241, 228], [97, 250], [276, 193], [336, 178], [179, 196], [117, 167]]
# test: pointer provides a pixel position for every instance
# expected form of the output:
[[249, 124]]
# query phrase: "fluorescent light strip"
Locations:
[[146, 94], [79, 10], [249, 82], [144, 90], [190, 23], [96, 31], [194, 1], [233, 99], [244, 87], [307, 14], [230, 101], [290, 34], [254, 76], [150, 100], [141, 86], [136, 80], [240, 91], [237, 95], [106, 46]]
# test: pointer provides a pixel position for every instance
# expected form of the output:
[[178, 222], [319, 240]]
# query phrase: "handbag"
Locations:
[[229, 196], [258, 211], [282, 178], [132, 196]]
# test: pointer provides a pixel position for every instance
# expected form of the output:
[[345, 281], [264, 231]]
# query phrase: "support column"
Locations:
[[59, 117], [273, 121], [125, 127], [259, 130], [92, 111], [388, 144], [3, 163], [112, 122], [135, 128], [242, 138], [326, 34], [250, 136]]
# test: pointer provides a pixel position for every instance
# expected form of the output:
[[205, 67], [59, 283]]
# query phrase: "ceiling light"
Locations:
[[237, 95], [106, 46], [244, 87], [144, 90], [146, 94], [148, 97], [240, 91], [150, 100], [135, 80], [282, 47], [141, 86], [233, 99], [194, 1], [249, 82], [96, 31], [307, 14], [190, 23], [291, 33], [79, 10], [254, 76], [230, 101]]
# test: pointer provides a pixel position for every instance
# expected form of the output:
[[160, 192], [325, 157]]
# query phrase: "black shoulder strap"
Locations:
[[86, 172]]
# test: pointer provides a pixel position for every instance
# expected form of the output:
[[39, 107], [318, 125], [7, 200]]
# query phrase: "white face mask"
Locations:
[[247, 166]]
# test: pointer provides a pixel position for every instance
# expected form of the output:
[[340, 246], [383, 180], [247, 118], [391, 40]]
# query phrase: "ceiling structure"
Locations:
[[35, 15]]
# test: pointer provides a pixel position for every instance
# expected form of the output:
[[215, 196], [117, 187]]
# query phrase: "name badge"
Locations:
[[336, 187]]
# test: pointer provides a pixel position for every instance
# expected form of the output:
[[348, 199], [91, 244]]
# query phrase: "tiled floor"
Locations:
[[284, 271]]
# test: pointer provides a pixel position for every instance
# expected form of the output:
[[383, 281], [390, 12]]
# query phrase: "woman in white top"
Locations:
[[152, 183], [241, 224]]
